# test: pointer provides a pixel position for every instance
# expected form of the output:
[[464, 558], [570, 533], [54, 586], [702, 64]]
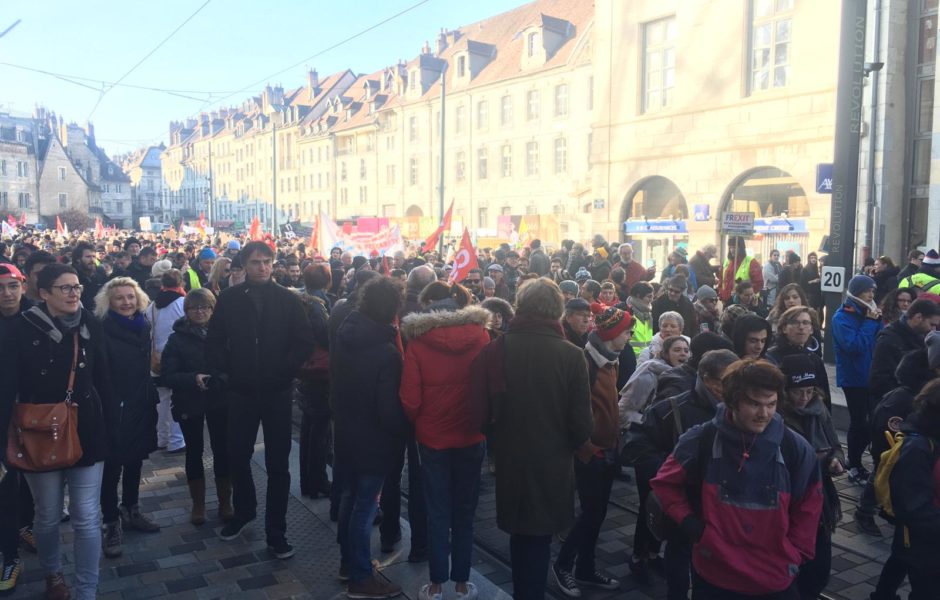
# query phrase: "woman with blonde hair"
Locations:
[[120, 306], [218, 276]]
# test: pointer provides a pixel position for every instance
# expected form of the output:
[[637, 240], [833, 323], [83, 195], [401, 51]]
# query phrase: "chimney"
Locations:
[[427, 48], [313, 82], [441, 41]]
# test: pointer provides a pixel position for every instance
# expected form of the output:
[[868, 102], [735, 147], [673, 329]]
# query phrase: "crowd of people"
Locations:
[[554, 371]]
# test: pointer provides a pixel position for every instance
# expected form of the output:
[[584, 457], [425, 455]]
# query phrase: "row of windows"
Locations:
[[22, 168], [533, 112], [24, 198], [770, 38]]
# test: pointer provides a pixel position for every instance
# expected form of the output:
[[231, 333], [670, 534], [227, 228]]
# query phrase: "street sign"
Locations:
[[737, 223], [833, 279], [702, 212], [824, 178]]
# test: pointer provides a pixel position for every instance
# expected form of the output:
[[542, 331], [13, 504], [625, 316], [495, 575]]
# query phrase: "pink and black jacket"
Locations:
[[761, 510]]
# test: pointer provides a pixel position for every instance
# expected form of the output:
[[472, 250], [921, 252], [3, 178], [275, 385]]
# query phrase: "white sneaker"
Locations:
[[471, 593], [425, 593]]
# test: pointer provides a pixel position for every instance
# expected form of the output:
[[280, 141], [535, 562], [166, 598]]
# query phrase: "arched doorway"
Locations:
[[653, 219], [780, 208], [414, 211]]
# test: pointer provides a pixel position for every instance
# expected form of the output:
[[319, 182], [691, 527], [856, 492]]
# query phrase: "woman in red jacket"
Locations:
[[442, 342]]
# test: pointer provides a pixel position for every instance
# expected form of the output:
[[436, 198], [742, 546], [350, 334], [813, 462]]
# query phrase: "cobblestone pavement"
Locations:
[[183, 561]]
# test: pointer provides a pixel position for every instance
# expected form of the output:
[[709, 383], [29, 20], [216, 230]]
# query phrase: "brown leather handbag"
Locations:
[[44, 437]]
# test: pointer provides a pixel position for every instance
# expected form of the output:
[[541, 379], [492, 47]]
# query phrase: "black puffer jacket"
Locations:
[[891, 344], [129, 359], [675, 381], [259, 350], [915, 481], [912, 374], [365, 371], [184, 356], [35, 360]]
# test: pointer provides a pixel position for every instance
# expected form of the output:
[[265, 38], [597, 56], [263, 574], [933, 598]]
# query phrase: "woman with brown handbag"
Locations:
[[54, 363]]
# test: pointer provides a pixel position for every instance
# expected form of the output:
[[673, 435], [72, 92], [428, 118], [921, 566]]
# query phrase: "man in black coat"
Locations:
[[259, 336], [140, 269], [538, 261], [370, 425], [675, 300], [896, 340], [90, 275]]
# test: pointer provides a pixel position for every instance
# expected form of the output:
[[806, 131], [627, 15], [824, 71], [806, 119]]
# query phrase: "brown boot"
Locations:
[[223, 487], [197, 491], [373, 587], [56, 589]]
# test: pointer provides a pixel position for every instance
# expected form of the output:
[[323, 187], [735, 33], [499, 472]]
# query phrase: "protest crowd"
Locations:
[[553, 370]]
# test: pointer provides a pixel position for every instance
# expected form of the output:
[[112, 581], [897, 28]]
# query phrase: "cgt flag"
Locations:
[[465, 260]]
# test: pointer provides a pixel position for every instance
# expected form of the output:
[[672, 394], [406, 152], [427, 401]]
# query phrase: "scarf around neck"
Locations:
[[135, 323], [599, 351]]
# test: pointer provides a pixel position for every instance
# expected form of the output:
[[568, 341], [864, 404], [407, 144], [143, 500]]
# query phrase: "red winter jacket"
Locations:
[[435, 382]]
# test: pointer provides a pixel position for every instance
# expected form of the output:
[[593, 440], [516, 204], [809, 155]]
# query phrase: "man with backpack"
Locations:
[[914, 482], [756, 494], [650, 442]]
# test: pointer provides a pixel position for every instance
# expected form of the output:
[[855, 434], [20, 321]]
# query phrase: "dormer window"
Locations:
[[412, 80], [532, 41], [461, 66]]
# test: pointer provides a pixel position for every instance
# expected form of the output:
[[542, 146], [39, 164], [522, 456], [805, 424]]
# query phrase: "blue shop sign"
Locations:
[[780, 225], [824, 178], [654, 226]]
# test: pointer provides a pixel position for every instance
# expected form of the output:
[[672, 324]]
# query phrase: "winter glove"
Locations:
[[693, 528]]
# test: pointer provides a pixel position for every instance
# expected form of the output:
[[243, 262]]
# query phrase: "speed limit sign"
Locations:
[[833, 279]]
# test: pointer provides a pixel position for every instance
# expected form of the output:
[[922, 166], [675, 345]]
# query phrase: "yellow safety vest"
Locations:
[[744, 269], [921, 281], [193, 280], [642, 335]]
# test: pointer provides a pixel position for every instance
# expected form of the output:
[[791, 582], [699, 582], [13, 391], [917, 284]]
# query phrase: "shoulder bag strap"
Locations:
[[677, 419], [68, 392]]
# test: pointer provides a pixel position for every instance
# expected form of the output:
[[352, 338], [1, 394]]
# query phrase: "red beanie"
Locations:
[[609, 321]]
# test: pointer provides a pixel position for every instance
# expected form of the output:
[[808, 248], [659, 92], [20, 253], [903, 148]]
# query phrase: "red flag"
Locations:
[[254, 231], [465, 260], [23, 220], [11, 220], [431, 242], [99, 228], [58, 226]]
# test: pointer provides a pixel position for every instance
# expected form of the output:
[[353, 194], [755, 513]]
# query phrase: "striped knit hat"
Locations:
[[610, 322]]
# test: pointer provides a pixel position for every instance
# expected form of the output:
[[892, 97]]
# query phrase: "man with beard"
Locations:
[[90, 275]]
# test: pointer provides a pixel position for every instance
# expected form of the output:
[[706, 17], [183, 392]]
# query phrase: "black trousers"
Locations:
[[193, 434], [644, 543], [814, 575], [129, 476], [594, 481], [529, 555], [702, 590], [245, 413], [417, 502], [16, 512], [677, 560], [859, 434], [316, 437]]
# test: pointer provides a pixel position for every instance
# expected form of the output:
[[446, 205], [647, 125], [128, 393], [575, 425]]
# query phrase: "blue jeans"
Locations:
[[84, 507], [359, 503], [452, 489]]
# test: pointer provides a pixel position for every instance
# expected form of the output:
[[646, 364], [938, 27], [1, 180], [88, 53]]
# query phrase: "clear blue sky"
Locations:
[[227, 46]]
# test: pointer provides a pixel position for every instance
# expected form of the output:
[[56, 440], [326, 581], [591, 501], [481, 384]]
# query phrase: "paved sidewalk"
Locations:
[[183, 561]]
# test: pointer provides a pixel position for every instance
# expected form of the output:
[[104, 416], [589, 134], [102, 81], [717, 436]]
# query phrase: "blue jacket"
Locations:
[[854, 337]]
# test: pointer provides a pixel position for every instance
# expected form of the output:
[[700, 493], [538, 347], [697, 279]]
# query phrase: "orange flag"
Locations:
[[58, 226], [254, 231], [431, 242]]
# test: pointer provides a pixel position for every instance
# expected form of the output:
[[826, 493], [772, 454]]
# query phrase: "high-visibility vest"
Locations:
[[921, 281], [744, 269], [193, 280], [642, 335]]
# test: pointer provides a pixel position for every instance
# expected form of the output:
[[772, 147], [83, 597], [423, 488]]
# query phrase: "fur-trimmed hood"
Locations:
[[418, 325]]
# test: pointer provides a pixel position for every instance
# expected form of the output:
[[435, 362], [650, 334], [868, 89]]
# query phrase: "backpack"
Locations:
[[889, 459], [661, 525]]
